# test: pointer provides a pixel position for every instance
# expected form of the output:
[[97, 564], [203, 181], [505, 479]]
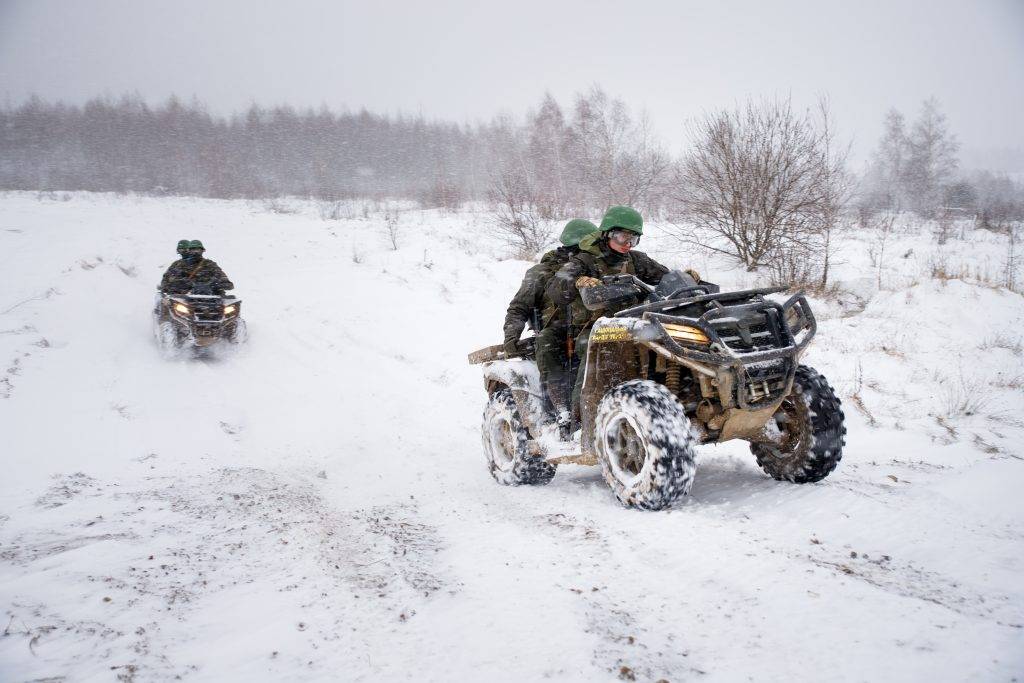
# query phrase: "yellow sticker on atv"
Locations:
[[609, 334]]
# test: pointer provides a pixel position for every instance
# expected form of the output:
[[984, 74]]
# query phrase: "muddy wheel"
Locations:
[[807, 432], [505, 444], [643, 440], [167, 339]]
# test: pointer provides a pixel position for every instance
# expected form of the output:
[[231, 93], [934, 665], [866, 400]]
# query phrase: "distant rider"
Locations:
[[531, 306], [192, 270]]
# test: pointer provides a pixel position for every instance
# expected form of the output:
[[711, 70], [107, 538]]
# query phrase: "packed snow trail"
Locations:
[[316, 506]]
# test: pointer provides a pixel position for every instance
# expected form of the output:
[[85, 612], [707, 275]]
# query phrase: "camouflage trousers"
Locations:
[[581, 352], [553, 364]]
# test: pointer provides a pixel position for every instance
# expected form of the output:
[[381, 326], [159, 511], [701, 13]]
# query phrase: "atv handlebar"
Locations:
[[623, 290], [627, 279], [659, 305]]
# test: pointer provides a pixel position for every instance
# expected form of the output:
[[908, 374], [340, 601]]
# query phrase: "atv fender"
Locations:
[[613, 357], [523, 378]]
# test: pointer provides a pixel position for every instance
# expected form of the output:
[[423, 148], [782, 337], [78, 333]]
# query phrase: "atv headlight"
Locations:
[[231, 308], [686, 333], [181, 308]]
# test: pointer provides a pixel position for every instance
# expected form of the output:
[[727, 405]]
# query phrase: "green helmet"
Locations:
[[623, 217], [196, 244], [182, 246], [575, 230]]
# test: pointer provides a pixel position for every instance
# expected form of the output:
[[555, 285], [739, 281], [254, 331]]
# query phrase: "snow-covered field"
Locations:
[[316, 505]]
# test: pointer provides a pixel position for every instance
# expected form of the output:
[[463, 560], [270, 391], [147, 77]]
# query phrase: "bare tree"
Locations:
[[932, 159], [883, 187], [392, 228], [547, 136], [764, 184], [883, 226], [1000, 201], [516, 214], [836, 190], [615, 160], [944, 227]]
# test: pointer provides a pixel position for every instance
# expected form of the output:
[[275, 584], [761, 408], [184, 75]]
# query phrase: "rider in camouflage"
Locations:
[[192, 269], [607, 252], [530, 306]]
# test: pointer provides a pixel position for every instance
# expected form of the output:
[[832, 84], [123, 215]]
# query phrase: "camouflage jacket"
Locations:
[[529, 301], [597, 260], [180, 277]]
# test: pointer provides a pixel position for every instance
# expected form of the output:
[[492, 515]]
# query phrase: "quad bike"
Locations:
[[197, 320], [683, 364]]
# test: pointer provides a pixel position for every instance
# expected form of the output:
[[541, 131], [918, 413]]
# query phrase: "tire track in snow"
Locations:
[[182, 543], [904, 579], [631, 645]]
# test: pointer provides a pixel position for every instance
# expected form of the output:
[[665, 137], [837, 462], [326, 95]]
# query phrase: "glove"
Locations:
[[693, 273], [585, 281], [511, 348]]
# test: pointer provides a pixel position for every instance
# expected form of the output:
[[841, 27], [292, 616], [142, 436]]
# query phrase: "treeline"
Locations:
[[553, 163], [178, 148], [596, 155], [916, 167]]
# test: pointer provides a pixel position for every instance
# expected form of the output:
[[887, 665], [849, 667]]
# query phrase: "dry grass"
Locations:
[[985, 446], [279, 206], [858, 403], [893, 352], [1009, 382], [1007, 419], [940, 268], [950, 429], [1004, 340], [966, 396], [857, 399]]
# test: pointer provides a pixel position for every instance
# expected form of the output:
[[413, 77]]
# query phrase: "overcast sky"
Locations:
[[468, 61]]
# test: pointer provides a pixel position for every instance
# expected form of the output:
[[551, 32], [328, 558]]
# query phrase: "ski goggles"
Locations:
[[624, 237]]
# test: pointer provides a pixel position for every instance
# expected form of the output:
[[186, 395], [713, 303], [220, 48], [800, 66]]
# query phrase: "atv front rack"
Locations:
[[760, 339], [205, 310]]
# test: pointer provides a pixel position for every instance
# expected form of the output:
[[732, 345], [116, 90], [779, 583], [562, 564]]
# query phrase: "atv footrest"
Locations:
[[555, 451]]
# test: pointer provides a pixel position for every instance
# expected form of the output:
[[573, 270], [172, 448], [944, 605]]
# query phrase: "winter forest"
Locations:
[[589, 154], [449, 341], [555, 161]]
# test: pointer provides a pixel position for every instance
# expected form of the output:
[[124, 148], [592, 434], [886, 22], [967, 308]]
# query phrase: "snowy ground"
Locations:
[[316, 506]]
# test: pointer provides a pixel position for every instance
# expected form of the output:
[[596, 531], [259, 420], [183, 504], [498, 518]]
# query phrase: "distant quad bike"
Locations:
[[690, 365], [197, 320]]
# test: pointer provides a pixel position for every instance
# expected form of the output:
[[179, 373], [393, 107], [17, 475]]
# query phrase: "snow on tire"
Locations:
[[505, 444], [810, 432], [240, 332], [167, 339], [643, 440]]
